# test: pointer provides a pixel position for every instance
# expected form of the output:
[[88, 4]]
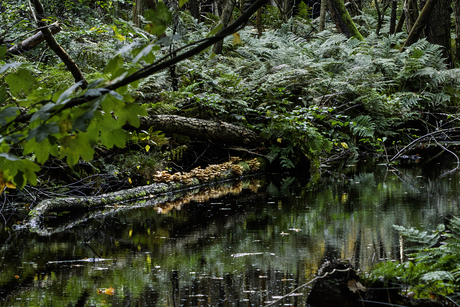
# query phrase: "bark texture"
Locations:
[[394, 9], [411, 12], [420, 24], [322, 16], [226, 16], [438, 28], [54, 45], [32, 41], [343, 19], [203, 129], [457, 30], [139, 7]]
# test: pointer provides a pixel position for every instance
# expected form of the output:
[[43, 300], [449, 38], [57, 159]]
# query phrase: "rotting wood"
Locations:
[[203, 129]]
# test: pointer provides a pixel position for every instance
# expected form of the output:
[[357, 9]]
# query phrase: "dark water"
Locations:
[[241, 244]]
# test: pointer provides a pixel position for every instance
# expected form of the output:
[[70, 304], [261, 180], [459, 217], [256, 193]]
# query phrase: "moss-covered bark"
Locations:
[[166, 183], [343, 19]]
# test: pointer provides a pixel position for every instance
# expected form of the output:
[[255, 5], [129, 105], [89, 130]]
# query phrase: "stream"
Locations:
[[243, 243]]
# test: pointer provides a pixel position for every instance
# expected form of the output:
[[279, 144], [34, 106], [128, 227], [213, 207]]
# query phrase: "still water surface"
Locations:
[[242, 244]]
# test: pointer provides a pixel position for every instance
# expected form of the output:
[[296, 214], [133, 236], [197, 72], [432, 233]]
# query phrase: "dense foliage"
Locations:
[[306, 93]]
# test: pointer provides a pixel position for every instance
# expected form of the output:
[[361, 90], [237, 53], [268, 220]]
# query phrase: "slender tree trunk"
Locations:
[[139, 7], [226, 16], [379, 18], [438, 28], [54, 45], [194, 8], [411, 12], [343, 19], [394, 9], [457, 31], [259, 22], [400, 24], [420, 24], [322, 15]]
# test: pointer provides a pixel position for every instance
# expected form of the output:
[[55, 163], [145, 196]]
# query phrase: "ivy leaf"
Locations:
[[21, 81], [159, 19], [41, 132], [7, 113]]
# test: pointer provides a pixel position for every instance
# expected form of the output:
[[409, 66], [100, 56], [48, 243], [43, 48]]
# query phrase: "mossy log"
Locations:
[[220, 132], [174, 183], [343, 19]]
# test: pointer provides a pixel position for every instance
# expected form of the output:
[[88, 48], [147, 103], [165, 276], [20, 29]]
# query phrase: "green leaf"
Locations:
[[19, 171], [76, 146], [130, 113], [63, 97], [81, 122], [2, 51], [42, 149], [8, 66], [7, 113], [3, 94], [43, 113], [182, 2], [116, 137], [215, 30], [159, 19], [41, 132], [114, 65], [21, 81]]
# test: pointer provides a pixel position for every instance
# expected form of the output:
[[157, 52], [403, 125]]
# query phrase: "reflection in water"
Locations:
[[245, 245]]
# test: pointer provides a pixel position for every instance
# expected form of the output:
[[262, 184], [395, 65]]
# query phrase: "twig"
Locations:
[[306, 284], [411, 144]]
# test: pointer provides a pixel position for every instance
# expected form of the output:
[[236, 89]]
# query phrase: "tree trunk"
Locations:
[[226, 16], [260, 28], [379, 18], [205, 129], [54, 45], [420, 24], [411, 12], [438, 28], [139, 7], [322, 16], [394, 9], [194, 8], [400, 24], [457, 31], [343, 19], [32, 41]]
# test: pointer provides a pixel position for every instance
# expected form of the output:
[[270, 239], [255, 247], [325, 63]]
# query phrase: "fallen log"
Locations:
[[165, 183], [32, 41], [203, 129]]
